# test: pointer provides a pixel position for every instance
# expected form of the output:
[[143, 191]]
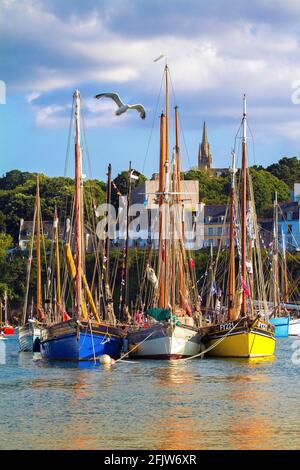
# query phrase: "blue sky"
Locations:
[[216, 51]]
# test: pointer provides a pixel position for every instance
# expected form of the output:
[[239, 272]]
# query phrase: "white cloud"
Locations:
[[32, 96], [210, 68]]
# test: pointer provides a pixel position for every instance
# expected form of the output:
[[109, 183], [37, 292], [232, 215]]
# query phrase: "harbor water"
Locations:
[[197, 404]]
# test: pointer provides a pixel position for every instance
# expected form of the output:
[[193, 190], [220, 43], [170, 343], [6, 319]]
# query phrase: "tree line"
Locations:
[[17, 197]]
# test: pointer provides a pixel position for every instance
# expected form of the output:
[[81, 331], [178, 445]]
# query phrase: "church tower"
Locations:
[[204, 155]]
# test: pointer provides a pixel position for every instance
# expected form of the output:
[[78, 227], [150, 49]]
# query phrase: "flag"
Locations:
[[245, 287], [192, 263], [249, 267], [214, 288], [133, 176], [68, 225], [66, 316]]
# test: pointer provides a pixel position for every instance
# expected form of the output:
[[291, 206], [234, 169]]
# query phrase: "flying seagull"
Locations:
[[122, 106]]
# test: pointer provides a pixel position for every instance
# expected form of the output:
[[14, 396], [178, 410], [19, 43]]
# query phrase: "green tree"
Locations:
[[5, 245], [212, 189], [121, 182], [265, 185], [287, 170]]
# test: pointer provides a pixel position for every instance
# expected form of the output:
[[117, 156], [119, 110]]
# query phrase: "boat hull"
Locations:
[[281, 326], [251, 338], [29, 338], [164, 341], [294, 327], [69, 341]]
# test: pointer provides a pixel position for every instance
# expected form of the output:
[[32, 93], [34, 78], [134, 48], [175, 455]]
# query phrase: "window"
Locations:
[[219, 231], [210, 231]]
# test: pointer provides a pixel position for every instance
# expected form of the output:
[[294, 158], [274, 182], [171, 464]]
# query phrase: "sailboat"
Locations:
[[173, 319], [29, 330], [278, 319], [84, 336], [286, 314], [246, 332]]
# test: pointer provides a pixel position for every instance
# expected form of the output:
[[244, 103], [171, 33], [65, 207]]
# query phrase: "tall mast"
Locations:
[[38, 250], [126, 304], [167, 111], [161, 191], [284, 267], [172, 231], [276, 284], [231, 290], [5, 308], [57, 261], [78, 208], [182, 285], [107, 241], [177, 153], [244, 206], [166, 280]]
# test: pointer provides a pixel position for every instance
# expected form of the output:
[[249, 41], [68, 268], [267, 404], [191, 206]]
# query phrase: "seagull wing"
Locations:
[[113, 96], [140, 108]]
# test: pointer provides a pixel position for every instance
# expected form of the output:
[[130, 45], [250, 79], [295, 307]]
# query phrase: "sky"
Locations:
[[216, 51]]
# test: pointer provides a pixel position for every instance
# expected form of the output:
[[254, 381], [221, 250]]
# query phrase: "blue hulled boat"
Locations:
[[86, 336], [281, 326], [80, 341]]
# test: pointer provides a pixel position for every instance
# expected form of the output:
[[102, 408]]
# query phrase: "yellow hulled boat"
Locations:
[[241, 338], [244, 331]]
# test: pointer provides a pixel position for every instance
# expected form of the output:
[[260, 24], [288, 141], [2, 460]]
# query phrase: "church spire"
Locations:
[[204, 155], [204, 137]]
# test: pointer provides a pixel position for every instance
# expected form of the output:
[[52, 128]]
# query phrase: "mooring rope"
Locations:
[[135, 347], [213, 346]]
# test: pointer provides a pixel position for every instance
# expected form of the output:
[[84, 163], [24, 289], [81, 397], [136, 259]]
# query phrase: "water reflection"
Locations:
[[205, 404]]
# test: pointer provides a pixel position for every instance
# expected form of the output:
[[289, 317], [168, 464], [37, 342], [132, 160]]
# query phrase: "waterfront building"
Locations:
[[289, 221]]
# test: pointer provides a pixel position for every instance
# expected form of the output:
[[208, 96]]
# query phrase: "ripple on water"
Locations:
[[201, 404]]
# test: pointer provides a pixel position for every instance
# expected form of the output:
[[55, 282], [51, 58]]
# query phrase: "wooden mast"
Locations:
[[182, 284], [276, 283], [166, 199], [107, 241], [39, 307], [173, 252], [232, 286], [126, 303], [244, 209], [167, 112], [161, 191], [78, 208], [57, 261], [284, 269]]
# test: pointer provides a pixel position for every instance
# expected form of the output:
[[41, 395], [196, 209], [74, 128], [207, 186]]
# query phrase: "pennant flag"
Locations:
[[66, 316], [245, 287]]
